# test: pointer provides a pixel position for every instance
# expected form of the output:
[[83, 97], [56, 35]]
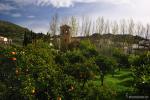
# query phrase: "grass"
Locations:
[[121, 83]]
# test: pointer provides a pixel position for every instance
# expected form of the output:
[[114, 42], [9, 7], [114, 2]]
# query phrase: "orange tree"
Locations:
[[121, 58], [79, 64], [40, 72], [34, 74], [40, 77], [105, 65], [141, 72], [8, 73], [75, 65]]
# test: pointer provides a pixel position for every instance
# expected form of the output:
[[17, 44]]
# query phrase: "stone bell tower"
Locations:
[[65, 33]]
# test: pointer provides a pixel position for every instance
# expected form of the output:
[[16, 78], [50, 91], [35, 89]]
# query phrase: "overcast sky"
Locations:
[[36, 14]]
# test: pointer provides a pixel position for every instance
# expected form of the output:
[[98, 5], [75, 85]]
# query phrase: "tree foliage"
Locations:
[[141, 72]]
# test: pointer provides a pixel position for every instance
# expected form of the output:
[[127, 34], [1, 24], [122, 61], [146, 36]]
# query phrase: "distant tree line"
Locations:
[[86, 26]]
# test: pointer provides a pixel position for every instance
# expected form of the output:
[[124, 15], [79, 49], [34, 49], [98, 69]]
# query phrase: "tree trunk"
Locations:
[[83, 84], [102, 79]]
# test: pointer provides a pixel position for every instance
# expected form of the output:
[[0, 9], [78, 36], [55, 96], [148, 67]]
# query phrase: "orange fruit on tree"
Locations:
[[27, 70], [71, 88], [14, 59], [17, 71], [13, 53], [58, 98], [33, 91]]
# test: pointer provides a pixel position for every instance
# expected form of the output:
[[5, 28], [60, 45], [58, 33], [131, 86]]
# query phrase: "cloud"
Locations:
[[62, 3], [31, 16], [117, 1], [16, 15], [65, 3], [6, 7]]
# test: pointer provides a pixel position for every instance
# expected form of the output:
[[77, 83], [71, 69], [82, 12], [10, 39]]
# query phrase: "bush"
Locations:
[[97, 92]]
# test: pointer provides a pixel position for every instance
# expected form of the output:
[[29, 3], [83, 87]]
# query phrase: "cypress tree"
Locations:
[[25, 40]]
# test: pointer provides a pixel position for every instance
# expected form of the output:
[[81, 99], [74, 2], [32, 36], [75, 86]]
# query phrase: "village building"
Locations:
[[5, 40], [65, 36], [65, 41], [143, 45]]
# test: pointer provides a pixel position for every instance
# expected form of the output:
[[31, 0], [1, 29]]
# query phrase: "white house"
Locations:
[[5, 40]]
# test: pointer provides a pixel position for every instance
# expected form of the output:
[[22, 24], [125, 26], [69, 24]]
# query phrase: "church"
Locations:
[[66, 41]]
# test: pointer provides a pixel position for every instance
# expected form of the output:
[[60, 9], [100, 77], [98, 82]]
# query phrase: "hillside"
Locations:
[[118, 37], [13, 31], [16, 33]]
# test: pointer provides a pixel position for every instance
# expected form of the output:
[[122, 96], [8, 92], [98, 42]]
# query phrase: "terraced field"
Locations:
[[120, 85]]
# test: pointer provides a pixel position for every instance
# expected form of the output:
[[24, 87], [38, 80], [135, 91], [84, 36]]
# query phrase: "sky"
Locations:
[[36, 14]]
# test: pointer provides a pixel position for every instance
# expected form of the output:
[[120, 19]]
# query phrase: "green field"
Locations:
[[120, 84]]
